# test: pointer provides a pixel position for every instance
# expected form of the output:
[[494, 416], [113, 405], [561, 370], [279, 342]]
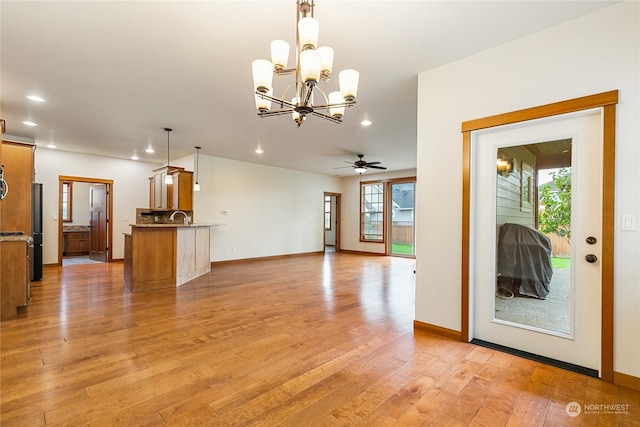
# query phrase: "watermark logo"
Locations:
[[606, 408], [573, 409]]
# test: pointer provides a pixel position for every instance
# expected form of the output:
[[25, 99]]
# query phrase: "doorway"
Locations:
[[331, 222], [84, 209], [402, 218], [606, 102]]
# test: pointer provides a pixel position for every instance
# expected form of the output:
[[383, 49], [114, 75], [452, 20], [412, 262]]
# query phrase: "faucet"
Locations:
[[186, 218]]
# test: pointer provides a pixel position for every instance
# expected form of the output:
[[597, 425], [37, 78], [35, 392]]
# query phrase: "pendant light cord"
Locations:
[[168, 130]]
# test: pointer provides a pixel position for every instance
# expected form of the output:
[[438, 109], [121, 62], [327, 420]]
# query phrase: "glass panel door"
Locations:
[[402, 233], [530, 292]]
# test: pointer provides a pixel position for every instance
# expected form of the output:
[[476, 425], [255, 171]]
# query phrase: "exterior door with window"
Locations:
[[402, 212], [510, 272]]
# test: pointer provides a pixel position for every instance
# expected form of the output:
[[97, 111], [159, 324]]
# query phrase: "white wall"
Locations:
[[270, 211], [130, 191], [350, 210], [593, 54]]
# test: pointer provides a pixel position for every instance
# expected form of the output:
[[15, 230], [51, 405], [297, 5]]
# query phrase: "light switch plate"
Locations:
[[628, 223]]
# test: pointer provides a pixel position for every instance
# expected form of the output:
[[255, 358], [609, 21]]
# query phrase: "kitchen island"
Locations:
[[160, 256]]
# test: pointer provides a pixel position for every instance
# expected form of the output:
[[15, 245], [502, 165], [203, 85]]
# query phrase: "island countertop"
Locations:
[[177, 225]]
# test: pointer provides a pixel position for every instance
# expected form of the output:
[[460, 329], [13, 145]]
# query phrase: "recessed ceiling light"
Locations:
[[35, 98], [134, 157], [259, 150], [366, 123], [51, 145], [29, 123], [150, 150]]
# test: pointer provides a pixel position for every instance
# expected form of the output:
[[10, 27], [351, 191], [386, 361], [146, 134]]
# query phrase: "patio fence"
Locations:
[[402, 232], [559, 246]]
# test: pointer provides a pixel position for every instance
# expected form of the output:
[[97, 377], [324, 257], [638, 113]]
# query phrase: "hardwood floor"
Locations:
[[299, 341]]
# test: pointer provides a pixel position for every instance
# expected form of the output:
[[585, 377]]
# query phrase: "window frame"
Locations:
[[69, 201], [327, 205], [381, 184]]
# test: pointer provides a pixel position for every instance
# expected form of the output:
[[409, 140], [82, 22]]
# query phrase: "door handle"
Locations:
[[591, 258]]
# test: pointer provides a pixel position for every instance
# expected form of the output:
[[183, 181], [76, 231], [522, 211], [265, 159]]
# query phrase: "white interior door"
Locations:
[[579, 343]]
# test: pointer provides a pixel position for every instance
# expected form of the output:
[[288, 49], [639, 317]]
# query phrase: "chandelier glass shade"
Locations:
[[312, 65]]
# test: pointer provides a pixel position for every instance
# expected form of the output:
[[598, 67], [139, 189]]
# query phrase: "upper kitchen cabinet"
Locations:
[[17, 159], [178, 195]]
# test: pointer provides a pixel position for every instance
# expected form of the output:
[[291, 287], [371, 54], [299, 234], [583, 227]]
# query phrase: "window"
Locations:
[[372, 212], [67, 187], [327, 212], [526, 188]]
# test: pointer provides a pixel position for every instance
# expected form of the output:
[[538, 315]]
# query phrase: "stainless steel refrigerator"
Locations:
[[36, 230]]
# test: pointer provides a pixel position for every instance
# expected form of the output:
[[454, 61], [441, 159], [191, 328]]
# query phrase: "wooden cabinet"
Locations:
[[15, 208], [193, 253], [77, 242], [15, 215], [14, 276], [178, 195]]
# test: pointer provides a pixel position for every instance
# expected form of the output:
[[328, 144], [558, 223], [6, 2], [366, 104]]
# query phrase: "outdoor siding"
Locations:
[[508, 204]]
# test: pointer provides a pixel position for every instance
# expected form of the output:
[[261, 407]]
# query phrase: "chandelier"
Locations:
[[312, 64]]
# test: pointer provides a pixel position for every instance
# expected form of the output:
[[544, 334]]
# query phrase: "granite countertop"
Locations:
[[16, 238], [74, 228]]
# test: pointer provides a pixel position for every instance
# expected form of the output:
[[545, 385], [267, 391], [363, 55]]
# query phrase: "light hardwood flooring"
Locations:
[[323, 339]]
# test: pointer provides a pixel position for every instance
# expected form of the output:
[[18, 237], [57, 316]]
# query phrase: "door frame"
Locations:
[[336, 222], [109, 184], [607, 101]]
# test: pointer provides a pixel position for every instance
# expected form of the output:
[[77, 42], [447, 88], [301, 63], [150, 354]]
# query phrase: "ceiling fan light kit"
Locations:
[[312, 65], [360, 166]]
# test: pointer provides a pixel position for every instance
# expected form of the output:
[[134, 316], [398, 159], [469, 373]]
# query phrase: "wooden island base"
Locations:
[[161, 256]]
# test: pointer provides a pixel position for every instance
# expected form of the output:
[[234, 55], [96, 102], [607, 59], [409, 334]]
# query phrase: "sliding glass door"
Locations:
[[402, 209]]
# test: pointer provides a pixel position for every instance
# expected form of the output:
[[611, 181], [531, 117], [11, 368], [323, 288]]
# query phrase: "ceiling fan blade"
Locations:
[[342, 167], [376, 167], [373, 163]]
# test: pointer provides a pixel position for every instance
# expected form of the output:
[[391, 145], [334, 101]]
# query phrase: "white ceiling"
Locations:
[[115, 73]]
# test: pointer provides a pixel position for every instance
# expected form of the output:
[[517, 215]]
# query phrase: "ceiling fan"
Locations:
[[360, 166]]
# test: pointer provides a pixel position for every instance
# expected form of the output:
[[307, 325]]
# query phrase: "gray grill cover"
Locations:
[[524, 261]]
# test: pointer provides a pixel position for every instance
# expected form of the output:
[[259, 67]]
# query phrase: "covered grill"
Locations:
[[524, 261]]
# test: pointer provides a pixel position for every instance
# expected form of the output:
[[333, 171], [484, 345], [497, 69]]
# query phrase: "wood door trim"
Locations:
[[109, 183], [548, 110], [607, 101]]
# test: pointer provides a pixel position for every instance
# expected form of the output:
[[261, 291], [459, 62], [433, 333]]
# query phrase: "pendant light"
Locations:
[[168, 179], [196, 186]]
